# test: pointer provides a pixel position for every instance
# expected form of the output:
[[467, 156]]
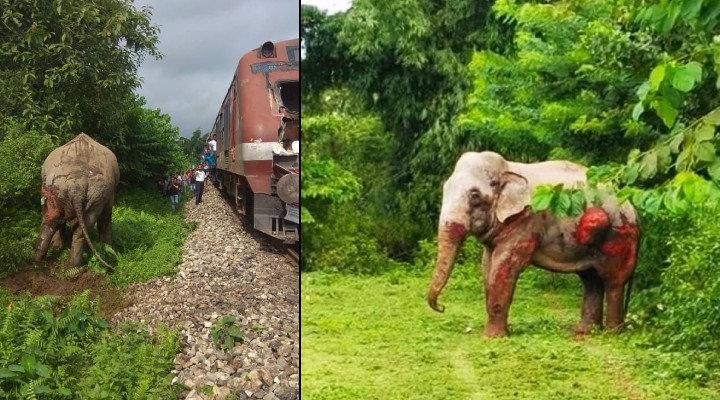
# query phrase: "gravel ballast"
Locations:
[[227, 271]]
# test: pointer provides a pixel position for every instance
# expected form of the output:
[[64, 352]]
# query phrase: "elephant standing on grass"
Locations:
[[489, 197], [79, 180]]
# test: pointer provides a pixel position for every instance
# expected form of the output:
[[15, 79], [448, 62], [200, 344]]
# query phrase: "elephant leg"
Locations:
[[77, 248], [621, 253], [56, 243], [616, 311], [104, 225], [508, 260], [592, 305]]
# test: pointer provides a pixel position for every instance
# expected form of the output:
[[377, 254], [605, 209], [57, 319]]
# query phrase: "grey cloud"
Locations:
[[202, 42]]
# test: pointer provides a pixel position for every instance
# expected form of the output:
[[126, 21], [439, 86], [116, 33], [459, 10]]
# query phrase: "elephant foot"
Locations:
[[616, 328], [582, 329], [494, 331]]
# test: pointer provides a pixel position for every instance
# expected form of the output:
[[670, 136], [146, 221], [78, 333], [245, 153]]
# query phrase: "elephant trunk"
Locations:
[[77, 204], [450, 236], [43, 243]]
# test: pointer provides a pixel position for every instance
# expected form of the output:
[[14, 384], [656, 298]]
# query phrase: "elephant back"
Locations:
[[80, 160]]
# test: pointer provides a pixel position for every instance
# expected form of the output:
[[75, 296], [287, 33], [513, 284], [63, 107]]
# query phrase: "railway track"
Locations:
[[292, 251], [293, 255]]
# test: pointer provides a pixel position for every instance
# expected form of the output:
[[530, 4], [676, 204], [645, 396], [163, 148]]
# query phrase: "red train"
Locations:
[[258, 139]]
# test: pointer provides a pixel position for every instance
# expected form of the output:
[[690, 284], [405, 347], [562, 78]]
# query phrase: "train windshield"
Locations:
[[290, 95]]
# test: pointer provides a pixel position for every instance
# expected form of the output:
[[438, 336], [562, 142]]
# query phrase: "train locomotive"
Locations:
[[258, 139]]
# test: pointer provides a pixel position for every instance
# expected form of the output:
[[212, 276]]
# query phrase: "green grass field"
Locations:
[[376, 338]]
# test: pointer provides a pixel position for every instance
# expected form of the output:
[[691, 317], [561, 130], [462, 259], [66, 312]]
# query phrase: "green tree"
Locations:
[[71, 66], [152, 145], [405, 61], [194, 145]]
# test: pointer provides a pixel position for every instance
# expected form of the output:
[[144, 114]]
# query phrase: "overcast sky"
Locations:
[[202, 42]]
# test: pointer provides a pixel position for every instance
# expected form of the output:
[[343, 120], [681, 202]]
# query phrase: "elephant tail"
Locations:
[[77, 203]]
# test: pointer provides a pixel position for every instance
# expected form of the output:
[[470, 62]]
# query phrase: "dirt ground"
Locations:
[[45, 282]]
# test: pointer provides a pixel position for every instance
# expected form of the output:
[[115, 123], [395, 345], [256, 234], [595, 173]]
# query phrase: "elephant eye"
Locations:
[[476, 198]]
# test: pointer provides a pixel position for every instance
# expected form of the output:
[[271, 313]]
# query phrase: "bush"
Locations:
[[21, 156], [679, 286], [66, 351]]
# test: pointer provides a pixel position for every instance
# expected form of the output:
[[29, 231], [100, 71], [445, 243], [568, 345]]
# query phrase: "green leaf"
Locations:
[[704, 132], [16, 368], [676, 142], [637, 110], [713, 117], [683, 160], [690, 9], [685, 77], [229, 342], [631, 173], [643, 90], [652, 203], [562, 203], [7, 373], [714, 169], [656, 76], [666, 111], [235, 331], [705, 151], [648, 165], [43, 370], [541, 201], [664, 160], [578, 203]]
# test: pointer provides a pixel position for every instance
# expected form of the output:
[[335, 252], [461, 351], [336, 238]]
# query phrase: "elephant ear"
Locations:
[[514, 195]]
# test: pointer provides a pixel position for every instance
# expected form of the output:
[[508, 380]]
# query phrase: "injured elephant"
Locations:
[[79, 180], [489, 197]]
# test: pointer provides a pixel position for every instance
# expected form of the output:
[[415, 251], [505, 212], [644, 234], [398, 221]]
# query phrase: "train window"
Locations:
[[293, 53], [290, 95]]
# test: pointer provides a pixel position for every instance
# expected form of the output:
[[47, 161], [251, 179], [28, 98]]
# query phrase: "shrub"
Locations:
[[65, 351], [21, 156]]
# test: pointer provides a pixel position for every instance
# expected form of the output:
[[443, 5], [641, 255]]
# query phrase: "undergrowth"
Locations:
[[53, 351]]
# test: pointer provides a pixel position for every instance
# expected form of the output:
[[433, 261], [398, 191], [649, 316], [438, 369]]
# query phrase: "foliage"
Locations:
[[225, 333], [21, 155], [151, 355], [680, 308], [18, 233], [194, 145], [52, 351], [69, 67], [405, 62], [151, 145], [147, 236]]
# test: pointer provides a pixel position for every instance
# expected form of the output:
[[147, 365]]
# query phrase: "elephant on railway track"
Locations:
[[79, 180]]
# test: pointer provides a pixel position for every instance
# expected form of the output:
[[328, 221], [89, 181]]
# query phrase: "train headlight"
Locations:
[[267, 50], [295, 146]]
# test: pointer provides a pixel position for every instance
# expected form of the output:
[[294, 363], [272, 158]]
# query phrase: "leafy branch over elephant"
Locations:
[[79, 180], [489, 197]]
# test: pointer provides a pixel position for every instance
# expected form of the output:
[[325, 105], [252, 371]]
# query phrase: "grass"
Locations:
[[89, 362], [376, 338]]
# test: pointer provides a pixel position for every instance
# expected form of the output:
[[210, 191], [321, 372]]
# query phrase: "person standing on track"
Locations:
[[199, 184]]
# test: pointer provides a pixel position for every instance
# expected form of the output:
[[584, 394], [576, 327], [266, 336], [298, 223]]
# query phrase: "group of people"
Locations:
[[192, 179]]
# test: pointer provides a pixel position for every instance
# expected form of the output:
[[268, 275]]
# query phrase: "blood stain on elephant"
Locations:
[[622, 249], [54, 210], [521, 255], [457, 231], [593, 221]]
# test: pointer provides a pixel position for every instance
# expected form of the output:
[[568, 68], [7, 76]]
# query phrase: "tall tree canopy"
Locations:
[[71, 66]]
